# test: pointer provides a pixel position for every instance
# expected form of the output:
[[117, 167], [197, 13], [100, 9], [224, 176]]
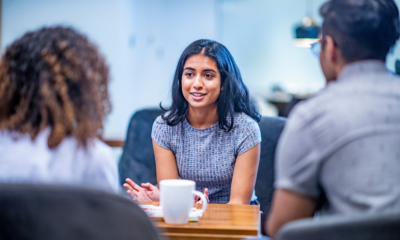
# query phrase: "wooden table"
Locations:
[[220, 221]]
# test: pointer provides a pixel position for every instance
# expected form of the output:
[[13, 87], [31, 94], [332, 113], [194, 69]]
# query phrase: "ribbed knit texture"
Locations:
[[207, 156]]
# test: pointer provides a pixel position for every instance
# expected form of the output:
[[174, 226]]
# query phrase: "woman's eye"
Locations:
[[209, 75], [189, 74]]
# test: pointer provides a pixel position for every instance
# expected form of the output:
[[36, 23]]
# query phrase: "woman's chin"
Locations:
[[197, 105], [200, 105]]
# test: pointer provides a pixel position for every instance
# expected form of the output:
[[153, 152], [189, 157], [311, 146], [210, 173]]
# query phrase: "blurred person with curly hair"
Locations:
[[53, 101]]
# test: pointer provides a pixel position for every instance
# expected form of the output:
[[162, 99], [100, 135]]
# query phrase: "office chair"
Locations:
[[137, 161], [371, 226], [271, 128], [47, 212]]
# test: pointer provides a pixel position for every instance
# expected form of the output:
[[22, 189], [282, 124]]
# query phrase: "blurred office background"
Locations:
[[143, 39]]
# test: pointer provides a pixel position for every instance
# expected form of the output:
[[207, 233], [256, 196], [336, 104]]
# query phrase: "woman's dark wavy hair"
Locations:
[[234, 98]]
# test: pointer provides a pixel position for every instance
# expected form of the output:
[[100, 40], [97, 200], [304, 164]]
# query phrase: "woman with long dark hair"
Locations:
[[210, 133]]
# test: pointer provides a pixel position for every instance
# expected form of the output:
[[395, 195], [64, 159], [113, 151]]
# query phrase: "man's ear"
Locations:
[[331, 50]]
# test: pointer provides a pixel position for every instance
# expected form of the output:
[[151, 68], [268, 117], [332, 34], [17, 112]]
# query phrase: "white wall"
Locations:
[[259, 34], [156, 33], [142, 42]]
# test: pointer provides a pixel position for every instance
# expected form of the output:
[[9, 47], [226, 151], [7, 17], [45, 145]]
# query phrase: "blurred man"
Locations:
[[344, 143]]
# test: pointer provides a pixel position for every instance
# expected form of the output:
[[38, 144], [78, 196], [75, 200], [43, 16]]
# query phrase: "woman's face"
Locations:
[[201, 82]]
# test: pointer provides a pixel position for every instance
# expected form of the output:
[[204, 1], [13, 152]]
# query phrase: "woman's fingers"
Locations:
[[128, 180], [133, 184], [134, 193], [131, 190], [144, 196], [148, 185], [139, 193], [206, 194], [127, 186], [134, 197]]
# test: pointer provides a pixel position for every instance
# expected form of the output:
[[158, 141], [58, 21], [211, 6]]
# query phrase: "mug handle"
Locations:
[[203, 198]]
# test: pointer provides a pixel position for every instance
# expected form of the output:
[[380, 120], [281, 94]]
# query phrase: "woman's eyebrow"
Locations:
[[209, 70], [205, 70]]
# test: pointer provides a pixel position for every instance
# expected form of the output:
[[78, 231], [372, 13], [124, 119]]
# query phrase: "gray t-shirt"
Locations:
[[207, 156], [346, 142]]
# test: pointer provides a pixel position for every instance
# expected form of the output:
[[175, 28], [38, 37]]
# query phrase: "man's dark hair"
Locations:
[[362, 29], [234, 98]]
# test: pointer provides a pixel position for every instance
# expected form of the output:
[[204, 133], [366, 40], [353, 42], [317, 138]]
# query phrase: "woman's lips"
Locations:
[[198, 96]]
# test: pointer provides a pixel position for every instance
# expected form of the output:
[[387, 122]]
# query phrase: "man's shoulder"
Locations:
[[323, 115], [315, 106], [345, 108]]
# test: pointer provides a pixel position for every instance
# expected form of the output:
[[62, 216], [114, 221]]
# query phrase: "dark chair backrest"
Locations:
[[360, 227], [45, 212], [271, 128], [137, 161]]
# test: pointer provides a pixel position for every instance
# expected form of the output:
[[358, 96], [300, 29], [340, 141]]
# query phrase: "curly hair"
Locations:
[[54, 78]]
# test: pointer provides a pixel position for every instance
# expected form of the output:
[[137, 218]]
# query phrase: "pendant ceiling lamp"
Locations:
[[308, 31]]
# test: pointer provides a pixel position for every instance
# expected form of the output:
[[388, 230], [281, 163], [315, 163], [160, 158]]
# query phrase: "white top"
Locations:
[[345, 142], [25, 161]]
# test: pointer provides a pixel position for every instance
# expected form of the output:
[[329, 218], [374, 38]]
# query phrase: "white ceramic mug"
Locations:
[[177, 200]]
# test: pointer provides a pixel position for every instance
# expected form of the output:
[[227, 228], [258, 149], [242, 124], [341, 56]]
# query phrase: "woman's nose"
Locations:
[[198, 83]]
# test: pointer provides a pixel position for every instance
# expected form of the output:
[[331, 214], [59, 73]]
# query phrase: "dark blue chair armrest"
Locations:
[[356, 227]]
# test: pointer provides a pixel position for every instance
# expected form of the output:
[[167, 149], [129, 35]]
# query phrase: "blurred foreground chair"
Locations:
[[271, 128], [33, 212], [137, 161], [360, 227]]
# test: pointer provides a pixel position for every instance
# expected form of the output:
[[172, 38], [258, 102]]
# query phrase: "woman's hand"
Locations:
[[146, 193], [205, 194]]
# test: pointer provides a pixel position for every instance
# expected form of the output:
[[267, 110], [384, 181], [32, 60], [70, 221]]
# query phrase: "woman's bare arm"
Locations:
[[244, 176], [165, 163]]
